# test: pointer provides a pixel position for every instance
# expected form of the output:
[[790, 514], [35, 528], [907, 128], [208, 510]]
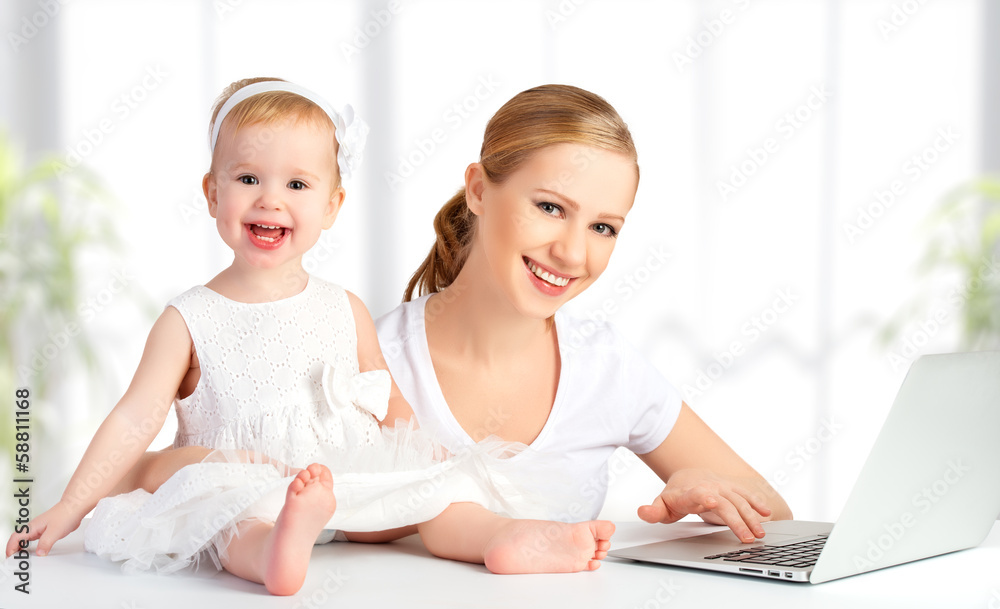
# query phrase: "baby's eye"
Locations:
[[605, 230], [248, 180], [297, 185], [549, 208]]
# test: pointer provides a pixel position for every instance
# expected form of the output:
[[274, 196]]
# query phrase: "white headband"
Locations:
[[350, 130]]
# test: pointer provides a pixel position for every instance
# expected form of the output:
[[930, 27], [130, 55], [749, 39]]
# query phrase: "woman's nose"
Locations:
[[571, 247]]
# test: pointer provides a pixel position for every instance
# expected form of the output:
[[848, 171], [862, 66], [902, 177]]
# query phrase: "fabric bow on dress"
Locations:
[[369, 391]]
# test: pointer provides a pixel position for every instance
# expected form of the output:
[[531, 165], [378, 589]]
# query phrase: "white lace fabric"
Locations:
[[261, 372]]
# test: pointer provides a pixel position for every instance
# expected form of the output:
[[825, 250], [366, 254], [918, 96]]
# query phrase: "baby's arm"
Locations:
[[370, 358], [122, 437]]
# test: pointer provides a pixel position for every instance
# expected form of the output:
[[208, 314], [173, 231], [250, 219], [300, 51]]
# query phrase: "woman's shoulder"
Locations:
[[406, 318]]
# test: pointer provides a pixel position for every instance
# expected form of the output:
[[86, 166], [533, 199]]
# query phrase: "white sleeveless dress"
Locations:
[[280, 388]]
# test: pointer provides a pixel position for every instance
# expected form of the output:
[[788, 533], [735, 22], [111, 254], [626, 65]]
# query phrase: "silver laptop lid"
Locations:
[[931, 484]]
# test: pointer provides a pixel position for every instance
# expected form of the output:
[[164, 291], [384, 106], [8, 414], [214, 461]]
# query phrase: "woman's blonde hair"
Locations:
[[531, 120], [269, 108]]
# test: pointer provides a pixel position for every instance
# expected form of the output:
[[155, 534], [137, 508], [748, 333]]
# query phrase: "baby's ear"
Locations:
[[211, 193], [333, 206]]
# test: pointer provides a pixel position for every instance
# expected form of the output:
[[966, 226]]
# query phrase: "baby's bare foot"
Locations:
[[309, 504], [539, 546]]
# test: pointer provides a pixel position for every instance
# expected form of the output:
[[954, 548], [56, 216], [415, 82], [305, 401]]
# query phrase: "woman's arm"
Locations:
[[122, 437], [705, 476]]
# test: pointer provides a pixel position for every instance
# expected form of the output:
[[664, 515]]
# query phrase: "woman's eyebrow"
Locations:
[[576, 206]]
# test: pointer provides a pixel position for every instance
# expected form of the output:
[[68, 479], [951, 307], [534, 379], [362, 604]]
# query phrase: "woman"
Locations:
[[479, 353]]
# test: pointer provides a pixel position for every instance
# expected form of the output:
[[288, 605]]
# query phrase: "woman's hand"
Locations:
[[48, 528], [718, 500], [704, 476]]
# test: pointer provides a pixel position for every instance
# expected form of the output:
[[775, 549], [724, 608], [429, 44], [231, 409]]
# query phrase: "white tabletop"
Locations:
[[403, 575]]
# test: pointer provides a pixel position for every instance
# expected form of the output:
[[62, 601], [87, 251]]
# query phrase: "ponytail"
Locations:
[[454, 225]]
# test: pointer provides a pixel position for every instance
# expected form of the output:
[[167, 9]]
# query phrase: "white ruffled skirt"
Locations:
[[404, 478]]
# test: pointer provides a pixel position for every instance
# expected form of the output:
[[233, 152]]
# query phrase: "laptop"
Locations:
[[930, 486]]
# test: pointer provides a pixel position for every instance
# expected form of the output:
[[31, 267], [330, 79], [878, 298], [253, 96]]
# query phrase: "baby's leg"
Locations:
[[277, 555], [382, 536], [154, 468], [471, 533]]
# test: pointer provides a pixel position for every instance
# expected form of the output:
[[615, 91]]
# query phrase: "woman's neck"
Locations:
[[477, 321]]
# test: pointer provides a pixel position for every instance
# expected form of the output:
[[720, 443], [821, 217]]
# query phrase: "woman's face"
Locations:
[[548, 230]]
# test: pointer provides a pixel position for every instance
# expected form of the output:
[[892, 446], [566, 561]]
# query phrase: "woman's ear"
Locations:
[[475, 185], [211, 193]]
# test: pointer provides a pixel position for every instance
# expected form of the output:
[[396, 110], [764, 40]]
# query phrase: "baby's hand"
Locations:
[[48, 528], [716, 499]]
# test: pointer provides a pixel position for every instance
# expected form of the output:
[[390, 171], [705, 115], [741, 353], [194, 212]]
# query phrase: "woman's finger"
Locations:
[[746, 511]]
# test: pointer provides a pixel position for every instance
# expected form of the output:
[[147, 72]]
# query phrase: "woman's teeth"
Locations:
[[546, 276]]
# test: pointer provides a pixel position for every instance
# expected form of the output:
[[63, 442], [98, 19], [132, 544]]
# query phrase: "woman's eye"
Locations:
[[549, 208], [605, 230], [248, 180], [296, 185]]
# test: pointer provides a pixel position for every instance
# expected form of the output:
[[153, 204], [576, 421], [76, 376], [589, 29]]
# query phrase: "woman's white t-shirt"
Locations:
[[608, 395]]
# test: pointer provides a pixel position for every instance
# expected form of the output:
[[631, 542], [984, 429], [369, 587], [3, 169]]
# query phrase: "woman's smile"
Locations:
[[546, 279]]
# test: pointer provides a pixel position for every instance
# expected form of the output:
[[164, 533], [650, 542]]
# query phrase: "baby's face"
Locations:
[[274, 190]]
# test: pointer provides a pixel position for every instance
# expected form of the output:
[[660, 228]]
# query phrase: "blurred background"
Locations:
[[815, 208]]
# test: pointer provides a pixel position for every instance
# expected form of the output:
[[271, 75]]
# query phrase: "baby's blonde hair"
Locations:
[[269, 108]]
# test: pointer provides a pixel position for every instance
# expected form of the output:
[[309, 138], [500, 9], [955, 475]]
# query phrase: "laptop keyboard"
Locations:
[[799, 554]]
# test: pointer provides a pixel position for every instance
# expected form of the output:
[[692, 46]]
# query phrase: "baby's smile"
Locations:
[[266, 236]]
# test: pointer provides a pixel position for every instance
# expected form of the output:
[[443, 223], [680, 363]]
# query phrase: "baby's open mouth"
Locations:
[[266, 232]]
